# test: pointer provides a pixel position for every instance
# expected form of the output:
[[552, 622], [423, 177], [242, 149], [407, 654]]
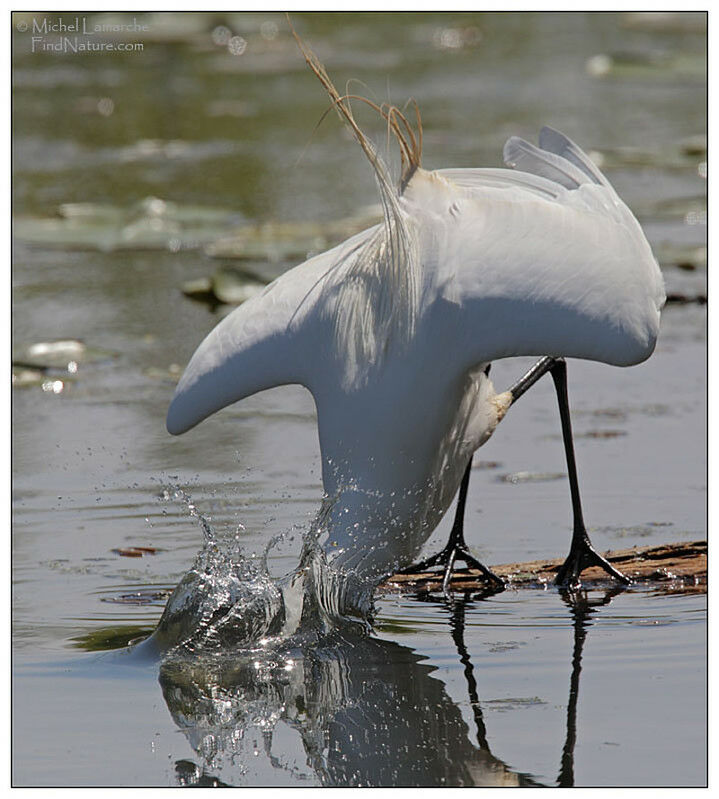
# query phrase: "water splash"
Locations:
[[181, 494], [229, 599]]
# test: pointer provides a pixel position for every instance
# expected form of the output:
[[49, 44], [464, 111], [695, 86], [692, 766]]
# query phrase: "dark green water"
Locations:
[[223, 140]]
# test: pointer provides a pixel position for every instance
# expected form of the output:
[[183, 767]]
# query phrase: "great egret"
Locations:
[[394, 330]]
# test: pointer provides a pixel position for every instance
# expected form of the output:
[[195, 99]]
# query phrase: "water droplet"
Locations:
[[599, 65], [237, 45], [53, 386], [105, 106], [221, 35], [269, 30]]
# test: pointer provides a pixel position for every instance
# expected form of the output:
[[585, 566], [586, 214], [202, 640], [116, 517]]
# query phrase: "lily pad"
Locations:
[[230, 285], [681, 154], [63, 354], [685, 283], [530, 477], [199, 288], [172, 372], [150, 224], [683, 209], [675, 298], [27, 378], [112, 637], [290, 241], [647, 65], [694, 145], [666, 21], [135, 552], [686, 257], [601, 434]]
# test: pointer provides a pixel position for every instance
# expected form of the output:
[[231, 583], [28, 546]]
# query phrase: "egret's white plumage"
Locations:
[[391, 331]]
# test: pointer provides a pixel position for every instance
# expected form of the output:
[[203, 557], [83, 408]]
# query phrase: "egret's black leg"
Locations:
[[456, 547], [527, 380], [581, 551]]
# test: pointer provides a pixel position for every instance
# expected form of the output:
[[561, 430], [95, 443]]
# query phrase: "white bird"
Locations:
[[393, 332]]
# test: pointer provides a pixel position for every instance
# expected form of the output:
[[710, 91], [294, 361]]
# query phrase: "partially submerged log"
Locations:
[[671, 567]]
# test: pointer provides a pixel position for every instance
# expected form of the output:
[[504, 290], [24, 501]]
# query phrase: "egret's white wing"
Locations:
[[526, 157], [555, 142], [543, 262], [534, 274], [557, 164], [264, 343], [483, 177], [557, 169]]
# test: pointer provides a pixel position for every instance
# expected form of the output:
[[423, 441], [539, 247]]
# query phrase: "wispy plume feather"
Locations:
[[373, 291]]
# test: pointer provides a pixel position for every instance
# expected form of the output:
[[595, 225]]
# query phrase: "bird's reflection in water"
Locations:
[[364, 712], [345, 710], [582, 607]]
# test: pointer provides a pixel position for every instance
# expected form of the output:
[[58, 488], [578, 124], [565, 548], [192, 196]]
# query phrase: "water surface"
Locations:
[[230, 140]]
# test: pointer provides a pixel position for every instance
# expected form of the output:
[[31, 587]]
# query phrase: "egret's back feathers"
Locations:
[[547, 261], [553, 141], [481, 177], [525, 157]]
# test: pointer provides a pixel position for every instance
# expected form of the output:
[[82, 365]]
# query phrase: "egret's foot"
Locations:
[[446, 558], [460, 553], [582, 555], [427, 564]]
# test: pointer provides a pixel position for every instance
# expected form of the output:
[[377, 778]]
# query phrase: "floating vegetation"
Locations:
[[530, 477], [512, 703], [229, 284], [694, 145], [505, 646], [26, 378], [53, 364], [685, 562], [480, 464], [289, 241], [685, 286], [676, 298], [682, 154], [458, 38], [666, 21], [112, 638], [142, 598], [686, 257], [647, 65], [690, 210], [611, 413], [601, 434], [135, 552], [171, 373], [61, 354], [634, 530], [156, 224], [66, 354], [269, 243], [150, 224]]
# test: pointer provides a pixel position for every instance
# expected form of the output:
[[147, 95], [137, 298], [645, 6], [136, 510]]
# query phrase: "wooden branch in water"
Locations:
[[671, 567]]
